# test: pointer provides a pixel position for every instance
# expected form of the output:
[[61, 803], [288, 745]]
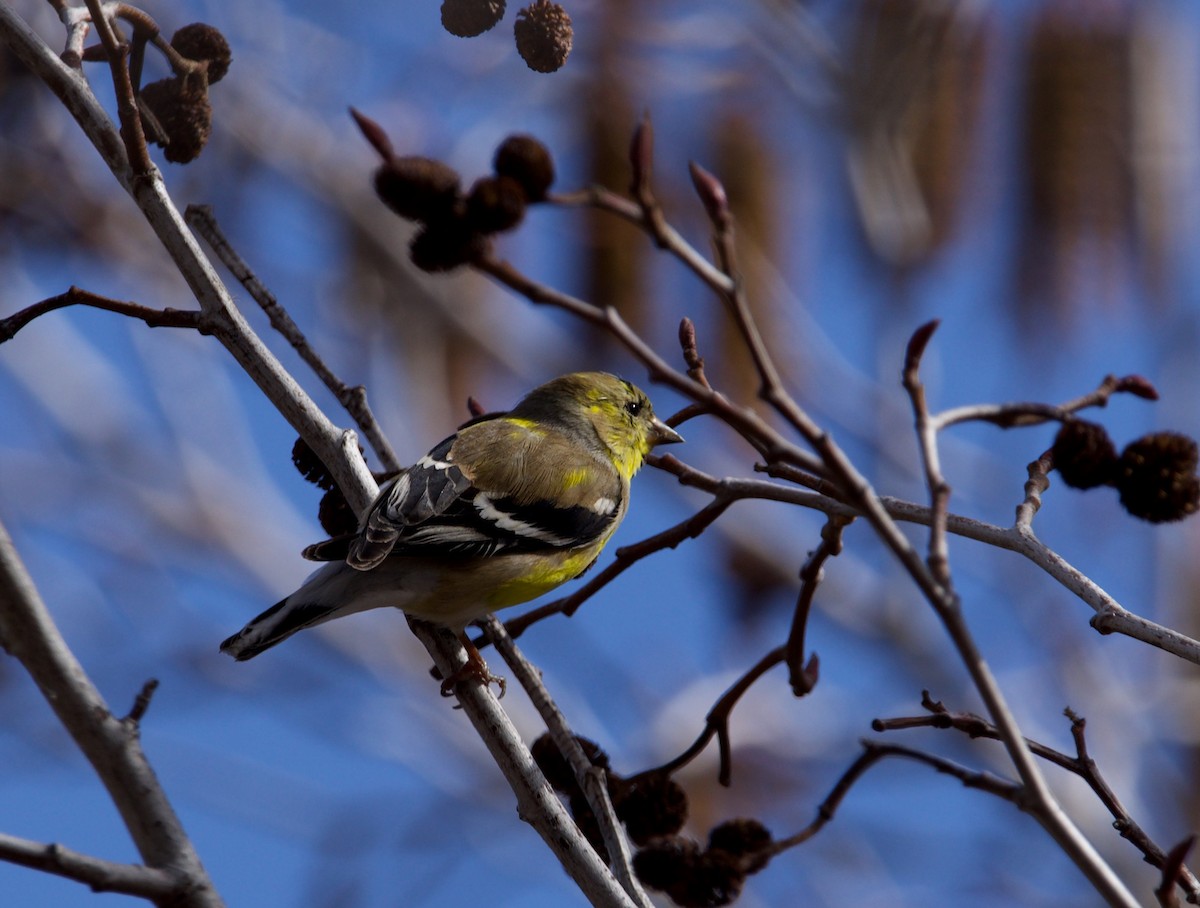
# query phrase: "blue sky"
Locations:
[[148, 486]]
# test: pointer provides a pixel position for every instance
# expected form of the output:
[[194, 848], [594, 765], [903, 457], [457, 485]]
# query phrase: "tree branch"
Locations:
[[157, 885], [28, 633]]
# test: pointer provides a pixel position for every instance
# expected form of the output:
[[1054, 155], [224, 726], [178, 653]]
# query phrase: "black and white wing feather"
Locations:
[[438, 507]]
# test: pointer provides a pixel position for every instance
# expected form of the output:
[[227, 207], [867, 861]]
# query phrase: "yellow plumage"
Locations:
[[506, 509]]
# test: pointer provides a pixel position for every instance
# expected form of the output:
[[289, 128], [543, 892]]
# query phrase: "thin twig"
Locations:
[[626, 557], [78, 22], [353, 399], [1172, 874], [1081, 764], [127, 109], [939, 489], [803, 676], [141, 703], [1037, 483], [873, 753], [155, 318], [1018, 415], [717, 721], [591, 779]]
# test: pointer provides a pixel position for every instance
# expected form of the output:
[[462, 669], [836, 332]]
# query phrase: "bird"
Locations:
[[507, 508]]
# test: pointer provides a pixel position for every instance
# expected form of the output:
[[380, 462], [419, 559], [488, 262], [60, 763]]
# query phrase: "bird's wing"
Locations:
[[497, 486]]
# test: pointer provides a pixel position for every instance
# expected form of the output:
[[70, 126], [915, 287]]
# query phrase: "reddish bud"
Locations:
[[641, 154], [711, 193], [374, 134]]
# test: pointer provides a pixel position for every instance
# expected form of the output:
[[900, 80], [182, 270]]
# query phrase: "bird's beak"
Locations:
[[663, 434]]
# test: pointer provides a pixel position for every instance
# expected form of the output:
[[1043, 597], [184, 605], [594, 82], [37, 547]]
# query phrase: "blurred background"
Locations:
[[1025, 171]]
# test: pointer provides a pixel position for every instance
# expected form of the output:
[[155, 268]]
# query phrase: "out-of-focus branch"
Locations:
[[716, 723], [111, 745], [802, 675]]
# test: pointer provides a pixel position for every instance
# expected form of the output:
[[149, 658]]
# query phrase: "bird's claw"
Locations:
[[474, 669]]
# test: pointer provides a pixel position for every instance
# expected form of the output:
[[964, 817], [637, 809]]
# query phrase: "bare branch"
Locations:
[[874, 752], [155, 318], [127, 107], [591, 779], [1172, 874], [716, 723], [29, 634], [1018, 415], [939, 489], [354, 399], [141, 703], [159, 885], [1081, 765], [803, 676], [536, 802], [625, 558]]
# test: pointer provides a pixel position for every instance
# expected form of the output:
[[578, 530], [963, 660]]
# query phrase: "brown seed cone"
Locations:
[[650, 807], [1157, 477], [200, 41], [181, 107], [1084, 455], [446, 244], [468, 18], [495, 204], [416, 188], [527, 161], [544, 36]]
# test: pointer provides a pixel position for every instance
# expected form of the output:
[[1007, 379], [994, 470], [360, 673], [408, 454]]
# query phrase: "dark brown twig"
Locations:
[[625, 558], [141, 703], [939, 490], [1081, 764], [127, 109], [874, 752], [717, 721], [155, 318], [803, 676], [1173, 874]]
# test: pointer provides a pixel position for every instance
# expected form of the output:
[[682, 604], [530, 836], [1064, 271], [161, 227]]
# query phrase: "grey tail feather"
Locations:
[[254, 638]]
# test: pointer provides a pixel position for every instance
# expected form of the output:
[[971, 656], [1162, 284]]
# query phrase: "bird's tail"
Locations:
[[326, 594]]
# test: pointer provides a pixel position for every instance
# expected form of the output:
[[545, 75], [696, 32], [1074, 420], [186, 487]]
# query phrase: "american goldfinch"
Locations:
[[507, 508]]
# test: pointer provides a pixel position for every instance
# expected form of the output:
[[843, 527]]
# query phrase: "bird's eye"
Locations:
[[634, 407]]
